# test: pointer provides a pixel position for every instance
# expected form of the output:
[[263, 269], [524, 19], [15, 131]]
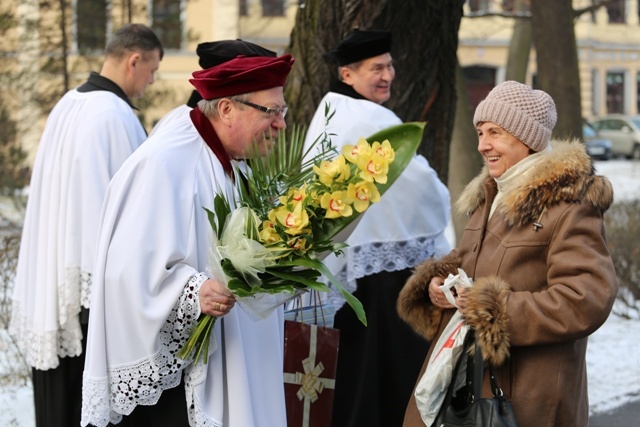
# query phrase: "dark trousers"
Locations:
[[378, 364], [57, 393], [170, 411]]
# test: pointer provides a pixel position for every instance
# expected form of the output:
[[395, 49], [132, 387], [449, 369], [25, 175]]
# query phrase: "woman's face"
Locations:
[[500, 149]]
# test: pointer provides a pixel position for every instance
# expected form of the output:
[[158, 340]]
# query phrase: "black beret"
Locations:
[[218, 52], [359, 45]]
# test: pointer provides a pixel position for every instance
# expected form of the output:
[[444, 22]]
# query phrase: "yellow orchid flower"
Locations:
[[294, 220], [268, 233], [295, 195], [337, 204], [363, 194], [376, 170], [336, 170], [299, 244], [384, 150], [354, 153]]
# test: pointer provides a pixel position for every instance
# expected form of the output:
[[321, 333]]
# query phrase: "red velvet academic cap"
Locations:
[[242, 75]]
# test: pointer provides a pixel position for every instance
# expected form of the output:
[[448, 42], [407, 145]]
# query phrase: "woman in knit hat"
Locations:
[[534, 246]]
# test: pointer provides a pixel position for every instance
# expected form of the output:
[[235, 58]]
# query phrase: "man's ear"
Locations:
[[134, 60], [345, 74], [226, 109]]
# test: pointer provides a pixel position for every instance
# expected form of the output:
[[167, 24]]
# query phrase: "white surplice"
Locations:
[[152, 258], [86, 139], [408, 225]]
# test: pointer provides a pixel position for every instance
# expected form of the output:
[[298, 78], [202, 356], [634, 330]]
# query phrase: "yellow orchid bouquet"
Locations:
[[287, 215]]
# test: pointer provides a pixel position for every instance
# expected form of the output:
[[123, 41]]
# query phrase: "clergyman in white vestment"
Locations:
[[151, 277], [380, 362]]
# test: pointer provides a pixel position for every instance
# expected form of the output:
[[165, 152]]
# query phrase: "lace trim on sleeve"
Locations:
[[141, 383], [42, 350], [193, 376]]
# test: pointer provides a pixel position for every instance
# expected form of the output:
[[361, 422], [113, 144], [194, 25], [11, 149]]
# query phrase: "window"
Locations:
[[272, 7], [167, 22], [479, 81], [615, 92], [244, 8], [616, 11], [479, 5], [91, 24]]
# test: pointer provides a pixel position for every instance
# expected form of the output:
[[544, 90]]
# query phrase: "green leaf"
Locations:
[[355, 304], [297, 278], [221, 208]]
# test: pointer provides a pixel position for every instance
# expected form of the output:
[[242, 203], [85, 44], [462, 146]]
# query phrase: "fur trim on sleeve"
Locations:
[[414, 306], [486, 312]]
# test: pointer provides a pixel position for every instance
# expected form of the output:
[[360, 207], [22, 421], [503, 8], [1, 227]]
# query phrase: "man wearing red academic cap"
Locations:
[[378, 364], [152, 281], [211, 54]]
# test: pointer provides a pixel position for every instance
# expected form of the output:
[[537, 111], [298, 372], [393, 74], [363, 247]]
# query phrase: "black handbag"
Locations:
[[465, 407]]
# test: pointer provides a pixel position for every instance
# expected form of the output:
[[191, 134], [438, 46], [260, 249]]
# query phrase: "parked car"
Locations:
[[623, 131], [597, 147]]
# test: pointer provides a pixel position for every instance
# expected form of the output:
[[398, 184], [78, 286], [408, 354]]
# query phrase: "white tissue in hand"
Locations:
[[459, 281]]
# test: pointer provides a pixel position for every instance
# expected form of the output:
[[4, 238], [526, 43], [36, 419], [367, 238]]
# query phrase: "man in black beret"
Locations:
[[211, 54], [378, 365]]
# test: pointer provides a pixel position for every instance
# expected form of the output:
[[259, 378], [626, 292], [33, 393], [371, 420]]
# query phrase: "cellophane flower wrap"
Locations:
[[270, 241]]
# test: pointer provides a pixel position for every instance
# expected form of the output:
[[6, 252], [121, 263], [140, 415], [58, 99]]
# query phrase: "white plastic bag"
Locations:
[[459, 281], [432, 387]]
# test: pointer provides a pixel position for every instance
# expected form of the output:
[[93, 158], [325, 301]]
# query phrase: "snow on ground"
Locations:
[[613, 354], [613, 364]]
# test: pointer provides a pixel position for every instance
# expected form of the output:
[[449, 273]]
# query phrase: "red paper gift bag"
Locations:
[[310, 361]]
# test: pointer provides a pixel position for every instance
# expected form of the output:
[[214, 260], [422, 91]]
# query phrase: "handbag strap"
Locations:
[[478, 376], [468, 340]]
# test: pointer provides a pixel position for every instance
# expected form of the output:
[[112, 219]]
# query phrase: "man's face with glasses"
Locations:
[[273, 112], [260, 115]]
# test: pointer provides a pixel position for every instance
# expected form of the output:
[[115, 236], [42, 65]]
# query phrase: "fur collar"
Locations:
[[564, 174]]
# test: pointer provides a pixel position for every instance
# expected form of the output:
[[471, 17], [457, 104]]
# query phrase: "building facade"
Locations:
[[608, 45], [608, 41]]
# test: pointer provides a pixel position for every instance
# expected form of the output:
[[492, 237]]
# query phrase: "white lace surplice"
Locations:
[[152, 253], [87, 138]]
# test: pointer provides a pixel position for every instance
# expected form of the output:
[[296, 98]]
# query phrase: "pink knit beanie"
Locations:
[[527, 114]]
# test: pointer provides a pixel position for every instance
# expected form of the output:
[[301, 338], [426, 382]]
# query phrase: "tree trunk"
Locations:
[[425, 41], [557, 61], [520, 47], [466, 161]]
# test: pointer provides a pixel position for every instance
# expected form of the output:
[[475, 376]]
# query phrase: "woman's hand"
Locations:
[[435, 293], [215, 298]]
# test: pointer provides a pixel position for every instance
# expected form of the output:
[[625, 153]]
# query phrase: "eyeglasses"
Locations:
[[274, 112]]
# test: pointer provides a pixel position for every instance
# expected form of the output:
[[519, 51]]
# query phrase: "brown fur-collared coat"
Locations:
[[543, 282]]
